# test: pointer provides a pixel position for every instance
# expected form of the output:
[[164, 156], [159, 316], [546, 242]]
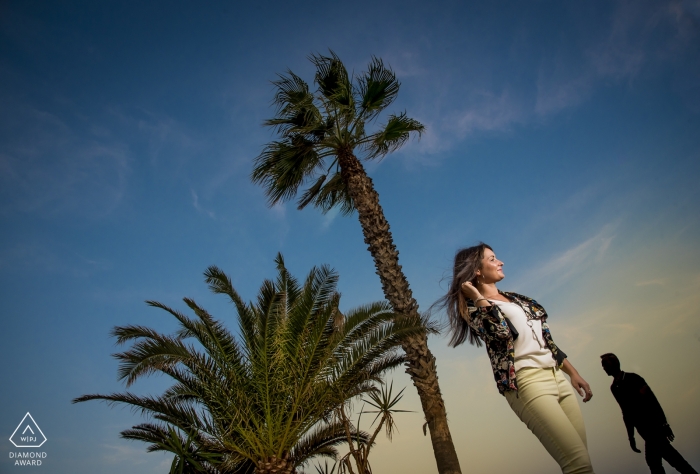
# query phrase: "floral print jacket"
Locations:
[[489, 323]]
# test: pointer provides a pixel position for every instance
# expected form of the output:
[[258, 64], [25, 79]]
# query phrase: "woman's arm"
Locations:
[[580, 385], [483, 317]]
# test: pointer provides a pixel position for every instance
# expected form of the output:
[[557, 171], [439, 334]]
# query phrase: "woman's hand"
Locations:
[[470, 291], [580, 385]]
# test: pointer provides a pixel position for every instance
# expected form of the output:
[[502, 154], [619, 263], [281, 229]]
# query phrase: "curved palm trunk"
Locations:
[[421, 362]]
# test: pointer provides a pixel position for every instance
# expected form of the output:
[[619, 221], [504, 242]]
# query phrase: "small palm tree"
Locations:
[[264, 402], [322, 134], [385, 406]]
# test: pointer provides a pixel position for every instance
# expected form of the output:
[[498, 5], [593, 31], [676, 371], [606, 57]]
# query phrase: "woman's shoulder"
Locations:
[[537, 308], [517, 296]]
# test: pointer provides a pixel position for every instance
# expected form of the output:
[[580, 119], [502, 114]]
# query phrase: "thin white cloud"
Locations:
[[279, 210], [329, 217], [570, 263], [567, 78], [493, 112], [47, 165], [170, 143], [404, 63], [198, 207], [28, 256], [165, 135], [486, 111], [566, 81]]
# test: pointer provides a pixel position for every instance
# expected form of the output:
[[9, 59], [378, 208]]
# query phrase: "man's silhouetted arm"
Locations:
[[630, 432]]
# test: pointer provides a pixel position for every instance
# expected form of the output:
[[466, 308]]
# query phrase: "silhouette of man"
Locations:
[[641, 410]]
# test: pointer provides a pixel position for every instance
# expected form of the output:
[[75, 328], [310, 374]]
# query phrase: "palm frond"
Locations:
[[325, 469], [148, 356], [189, 455], [392, 136], [378, 88], [187, 323], [127, 333], [292, 94], [323, 439], [184, 413], [220, 283], [296, 111], [333, 80], [216, 339], [333, 194], [385, 404], [284, 166], [312, 192]]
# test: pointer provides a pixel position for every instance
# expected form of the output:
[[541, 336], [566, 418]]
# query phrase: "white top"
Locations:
[[530, 347]]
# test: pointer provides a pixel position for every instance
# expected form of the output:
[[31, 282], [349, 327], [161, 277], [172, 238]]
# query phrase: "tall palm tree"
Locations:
[[263, 402], [323, 135]]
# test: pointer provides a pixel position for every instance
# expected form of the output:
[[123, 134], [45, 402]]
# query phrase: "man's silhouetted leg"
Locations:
[[652, 453], [674, 458], [657, 448]]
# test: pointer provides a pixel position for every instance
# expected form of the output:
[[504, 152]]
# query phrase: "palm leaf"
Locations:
[[378, 88], [322, 440], [334, 194], [333, 80], [283, 167], [311, 193], [392, 136]]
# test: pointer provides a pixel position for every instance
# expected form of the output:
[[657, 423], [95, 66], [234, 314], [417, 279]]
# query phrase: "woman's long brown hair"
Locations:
[[467, 262]]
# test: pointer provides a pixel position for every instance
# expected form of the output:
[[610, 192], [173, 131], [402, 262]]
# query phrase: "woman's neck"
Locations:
[[487, 290]]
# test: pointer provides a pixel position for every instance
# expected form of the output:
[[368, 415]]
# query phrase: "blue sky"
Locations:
[[563, 134]]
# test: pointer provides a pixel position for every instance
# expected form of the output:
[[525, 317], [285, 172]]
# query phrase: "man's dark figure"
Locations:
[[641, 410]]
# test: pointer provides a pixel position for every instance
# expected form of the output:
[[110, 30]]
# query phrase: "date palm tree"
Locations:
[[323, 140], [262, 402]]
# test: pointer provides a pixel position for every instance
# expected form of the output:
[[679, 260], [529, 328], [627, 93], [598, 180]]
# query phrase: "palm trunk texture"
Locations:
[[420, 361], [275, 465]]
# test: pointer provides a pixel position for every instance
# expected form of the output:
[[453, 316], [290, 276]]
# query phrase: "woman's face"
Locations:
[[491, 269]]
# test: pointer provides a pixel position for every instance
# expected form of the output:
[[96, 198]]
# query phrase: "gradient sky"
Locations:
[[564, 134]]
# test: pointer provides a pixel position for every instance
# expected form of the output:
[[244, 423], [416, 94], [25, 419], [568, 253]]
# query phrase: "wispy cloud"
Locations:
[[485, 112], [169, 144], [492, 112], [404, 63], [279, 210], [198, 207], [329, 217], [638, 35], [165, 135], [37, 256], [630, 43], [47, 165], [572, 262]]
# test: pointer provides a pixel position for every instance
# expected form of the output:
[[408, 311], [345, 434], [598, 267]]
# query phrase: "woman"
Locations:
[[526, 363]]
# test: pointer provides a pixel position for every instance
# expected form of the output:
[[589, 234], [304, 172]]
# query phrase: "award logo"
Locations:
[[28, 435]]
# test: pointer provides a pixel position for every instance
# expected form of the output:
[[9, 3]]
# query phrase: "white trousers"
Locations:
[[546, 403]]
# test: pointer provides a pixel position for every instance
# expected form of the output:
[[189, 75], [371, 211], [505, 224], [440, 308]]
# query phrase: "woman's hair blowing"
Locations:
[[467, 262]]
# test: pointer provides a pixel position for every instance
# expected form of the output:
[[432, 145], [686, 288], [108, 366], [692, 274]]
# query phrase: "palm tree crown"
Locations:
[[262, 402], [316, 128]]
